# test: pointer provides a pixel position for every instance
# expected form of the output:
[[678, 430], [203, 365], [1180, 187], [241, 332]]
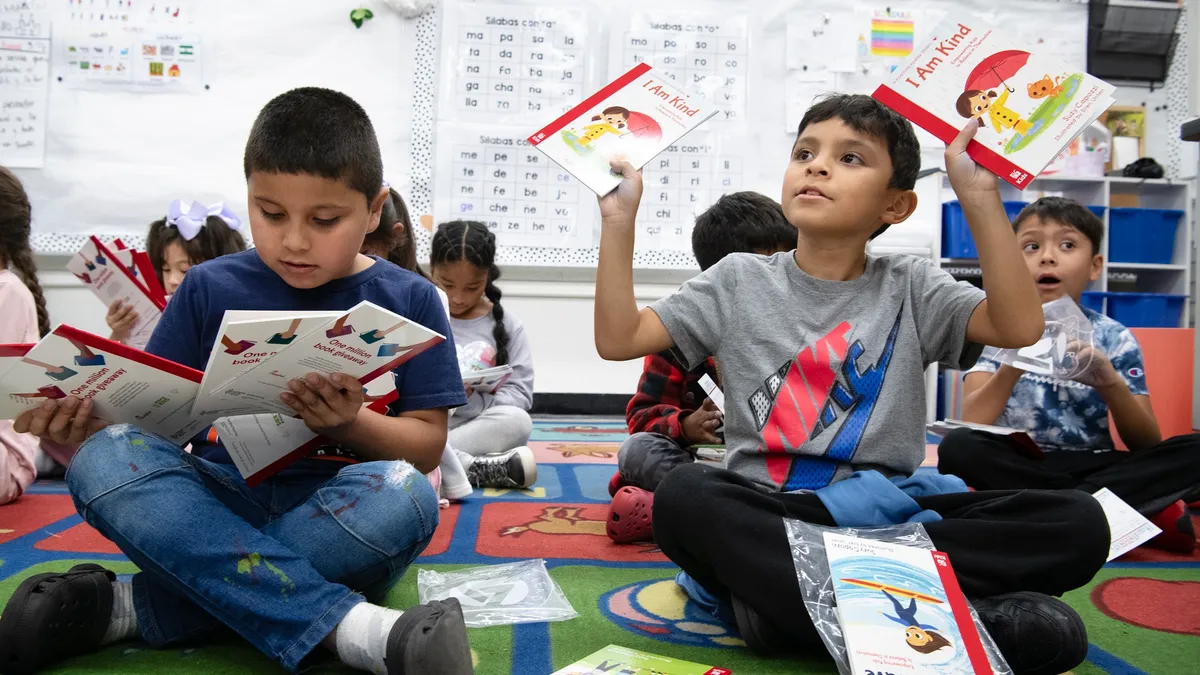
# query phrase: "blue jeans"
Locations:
[[279, 563]]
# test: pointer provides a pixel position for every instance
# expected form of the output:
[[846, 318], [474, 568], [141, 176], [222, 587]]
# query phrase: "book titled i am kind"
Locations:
[[634, 118], [1028, 106]]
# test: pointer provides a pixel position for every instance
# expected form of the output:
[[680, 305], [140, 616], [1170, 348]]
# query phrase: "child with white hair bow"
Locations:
[[187, 236]]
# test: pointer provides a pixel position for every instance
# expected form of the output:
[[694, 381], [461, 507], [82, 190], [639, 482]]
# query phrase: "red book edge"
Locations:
[[127, 352], [14, 351], [589, 103], [962, 615], [719, 671], [986, 157], [400, 360], [158, 293], [379, 405], [121, 246], [107, 253]]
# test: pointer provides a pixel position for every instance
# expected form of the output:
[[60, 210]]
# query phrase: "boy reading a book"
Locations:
[[1069, 419], [671, 414], [288, 564], [823, 352]]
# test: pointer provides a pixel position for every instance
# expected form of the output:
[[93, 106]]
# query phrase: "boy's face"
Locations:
[[836, 185], [309, 229], [1059, 257]]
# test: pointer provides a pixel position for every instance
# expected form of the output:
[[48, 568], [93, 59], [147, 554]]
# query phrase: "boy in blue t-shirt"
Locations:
[[291, 563], [1069, 419], [823, 352]]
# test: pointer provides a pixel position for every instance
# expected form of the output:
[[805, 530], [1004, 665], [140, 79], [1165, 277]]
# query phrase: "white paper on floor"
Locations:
[[497, 595]]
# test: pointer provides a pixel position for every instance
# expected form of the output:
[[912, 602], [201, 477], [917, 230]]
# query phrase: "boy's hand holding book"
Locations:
[[973, 184], [328, 405], [619, 207], [700, 427], [66, 421], [1098, 372]]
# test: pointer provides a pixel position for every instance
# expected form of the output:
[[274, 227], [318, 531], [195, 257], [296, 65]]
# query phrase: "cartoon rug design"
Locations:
[[1142, 611]]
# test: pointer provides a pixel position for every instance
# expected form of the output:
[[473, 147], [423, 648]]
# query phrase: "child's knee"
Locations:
[[954, 450], [390, 504], [114, 456], [1086, 535], [522, 423], [685, 492]]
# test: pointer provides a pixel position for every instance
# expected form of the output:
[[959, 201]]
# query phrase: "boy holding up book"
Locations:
[[1069, 419], [291, 563], [823, 352]]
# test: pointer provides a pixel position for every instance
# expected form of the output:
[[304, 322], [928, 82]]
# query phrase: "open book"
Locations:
[[250, 366], [901, 610], [114, 274], [634, 117], [1024, 442], [1029, 105], [616, 660]]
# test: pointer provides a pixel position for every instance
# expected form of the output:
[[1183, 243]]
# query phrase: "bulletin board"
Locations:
[[118, 149], [497, 71]]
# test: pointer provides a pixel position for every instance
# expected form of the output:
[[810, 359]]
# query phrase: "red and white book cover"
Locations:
[[635, 117], [125, 385], [1029, 106], [101, 270], [365, 342]]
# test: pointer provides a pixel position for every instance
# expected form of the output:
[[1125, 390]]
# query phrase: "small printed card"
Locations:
[[1029, 105], [1128, 527], [901, 610], [635, 117], [616, 660]]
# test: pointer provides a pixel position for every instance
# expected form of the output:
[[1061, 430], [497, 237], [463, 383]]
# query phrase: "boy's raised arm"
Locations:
[[1011, 316], [622, 331]]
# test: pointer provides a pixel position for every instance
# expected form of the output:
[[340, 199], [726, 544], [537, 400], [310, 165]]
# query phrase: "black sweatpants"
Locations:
[[728, 534], [1149, 480]]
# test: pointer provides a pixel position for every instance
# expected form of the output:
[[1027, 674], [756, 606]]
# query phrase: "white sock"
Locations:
[[361, 637], [123, 624]]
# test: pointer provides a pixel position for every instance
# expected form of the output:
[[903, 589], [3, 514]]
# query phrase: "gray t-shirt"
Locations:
[[822, 378], [476, 335]]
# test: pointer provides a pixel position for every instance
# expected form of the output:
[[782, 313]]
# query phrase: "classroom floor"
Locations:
[[1142, 611]]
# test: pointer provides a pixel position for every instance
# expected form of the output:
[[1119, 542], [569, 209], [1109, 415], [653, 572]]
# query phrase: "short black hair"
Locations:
[[868, 116], [1067, 212], [319, 132], [741, 222]]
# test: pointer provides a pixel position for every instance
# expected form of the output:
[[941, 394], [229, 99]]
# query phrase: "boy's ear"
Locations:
[[1097, 267], [901, 205], [376, 206]]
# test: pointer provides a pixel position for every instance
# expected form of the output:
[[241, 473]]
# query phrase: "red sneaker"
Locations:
[[1178, 535], [629, 516], [615, 483]]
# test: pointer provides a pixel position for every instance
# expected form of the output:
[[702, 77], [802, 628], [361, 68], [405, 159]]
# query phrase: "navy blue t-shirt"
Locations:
[[189, 326]]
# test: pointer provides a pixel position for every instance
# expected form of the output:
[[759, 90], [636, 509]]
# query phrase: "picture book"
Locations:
[[1129, 529], [1029, 106], [487, 380], [477, 362], [138, 264], [615, 660], [100, 269], [901, 610], [240, 346], [124, 384], [635, 117], [1024, 442], [365, 342]]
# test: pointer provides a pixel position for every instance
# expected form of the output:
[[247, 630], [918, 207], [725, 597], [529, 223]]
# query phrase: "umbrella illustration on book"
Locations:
[[996, 69]]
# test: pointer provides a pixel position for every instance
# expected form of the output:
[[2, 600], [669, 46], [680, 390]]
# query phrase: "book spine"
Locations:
[[986, 157], [962, 615], [589, 103]]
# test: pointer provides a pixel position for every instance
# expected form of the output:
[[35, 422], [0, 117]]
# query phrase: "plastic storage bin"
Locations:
[[1142, 235], [957, 241], [1145, 310], [1093, 300], [1098, 210]]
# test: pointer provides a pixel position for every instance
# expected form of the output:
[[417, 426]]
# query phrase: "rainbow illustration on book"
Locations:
[[891, 35]]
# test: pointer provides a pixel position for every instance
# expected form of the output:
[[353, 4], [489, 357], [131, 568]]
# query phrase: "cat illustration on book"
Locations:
[[921, 637]]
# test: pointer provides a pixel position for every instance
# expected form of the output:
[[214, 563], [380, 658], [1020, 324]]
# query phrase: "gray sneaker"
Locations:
[[515, 470]]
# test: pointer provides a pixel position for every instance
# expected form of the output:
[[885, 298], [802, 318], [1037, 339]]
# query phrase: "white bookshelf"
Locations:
[[1173, 277]]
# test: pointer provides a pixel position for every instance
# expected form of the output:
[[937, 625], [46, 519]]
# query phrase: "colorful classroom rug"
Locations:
[[1142, 612]]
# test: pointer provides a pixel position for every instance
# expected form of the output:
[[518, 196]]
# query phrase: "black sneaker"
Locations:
[[1036, 633], [54, 616], [514, 470], [764, 639], [430, 639]]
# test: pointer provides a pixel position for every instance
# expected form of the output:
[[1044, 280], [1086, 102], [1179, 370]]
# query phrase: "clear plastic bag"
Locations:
[[816, 583], [1064, 352], [497, 595]]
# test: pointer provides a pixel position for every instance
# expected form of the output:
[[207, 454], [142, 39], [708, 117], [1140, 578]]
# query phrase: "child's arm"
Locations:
[[1122, 383], [518, 390], [1132, 415], [622, 331], [985, 395], [1011, 316]]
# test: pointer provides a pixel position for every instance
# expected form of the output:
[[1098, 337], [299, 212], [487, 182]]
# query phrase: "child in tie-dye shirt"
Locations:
[[1070, 419]]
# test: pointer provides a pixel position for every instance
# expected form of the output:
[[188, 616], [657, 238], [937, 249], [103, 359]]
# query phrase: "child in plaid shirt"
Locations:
[[665, 422]]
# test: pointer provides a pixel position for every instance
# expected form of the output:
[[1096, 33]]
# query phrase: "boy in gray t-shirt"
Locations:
[[823, 353]]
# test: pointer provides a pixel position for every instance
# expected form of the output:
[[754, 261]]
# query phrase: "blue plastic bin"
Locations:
[[1145, 310], [957, 241], [1098, 210], [1142, 235], [1093, 300]]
